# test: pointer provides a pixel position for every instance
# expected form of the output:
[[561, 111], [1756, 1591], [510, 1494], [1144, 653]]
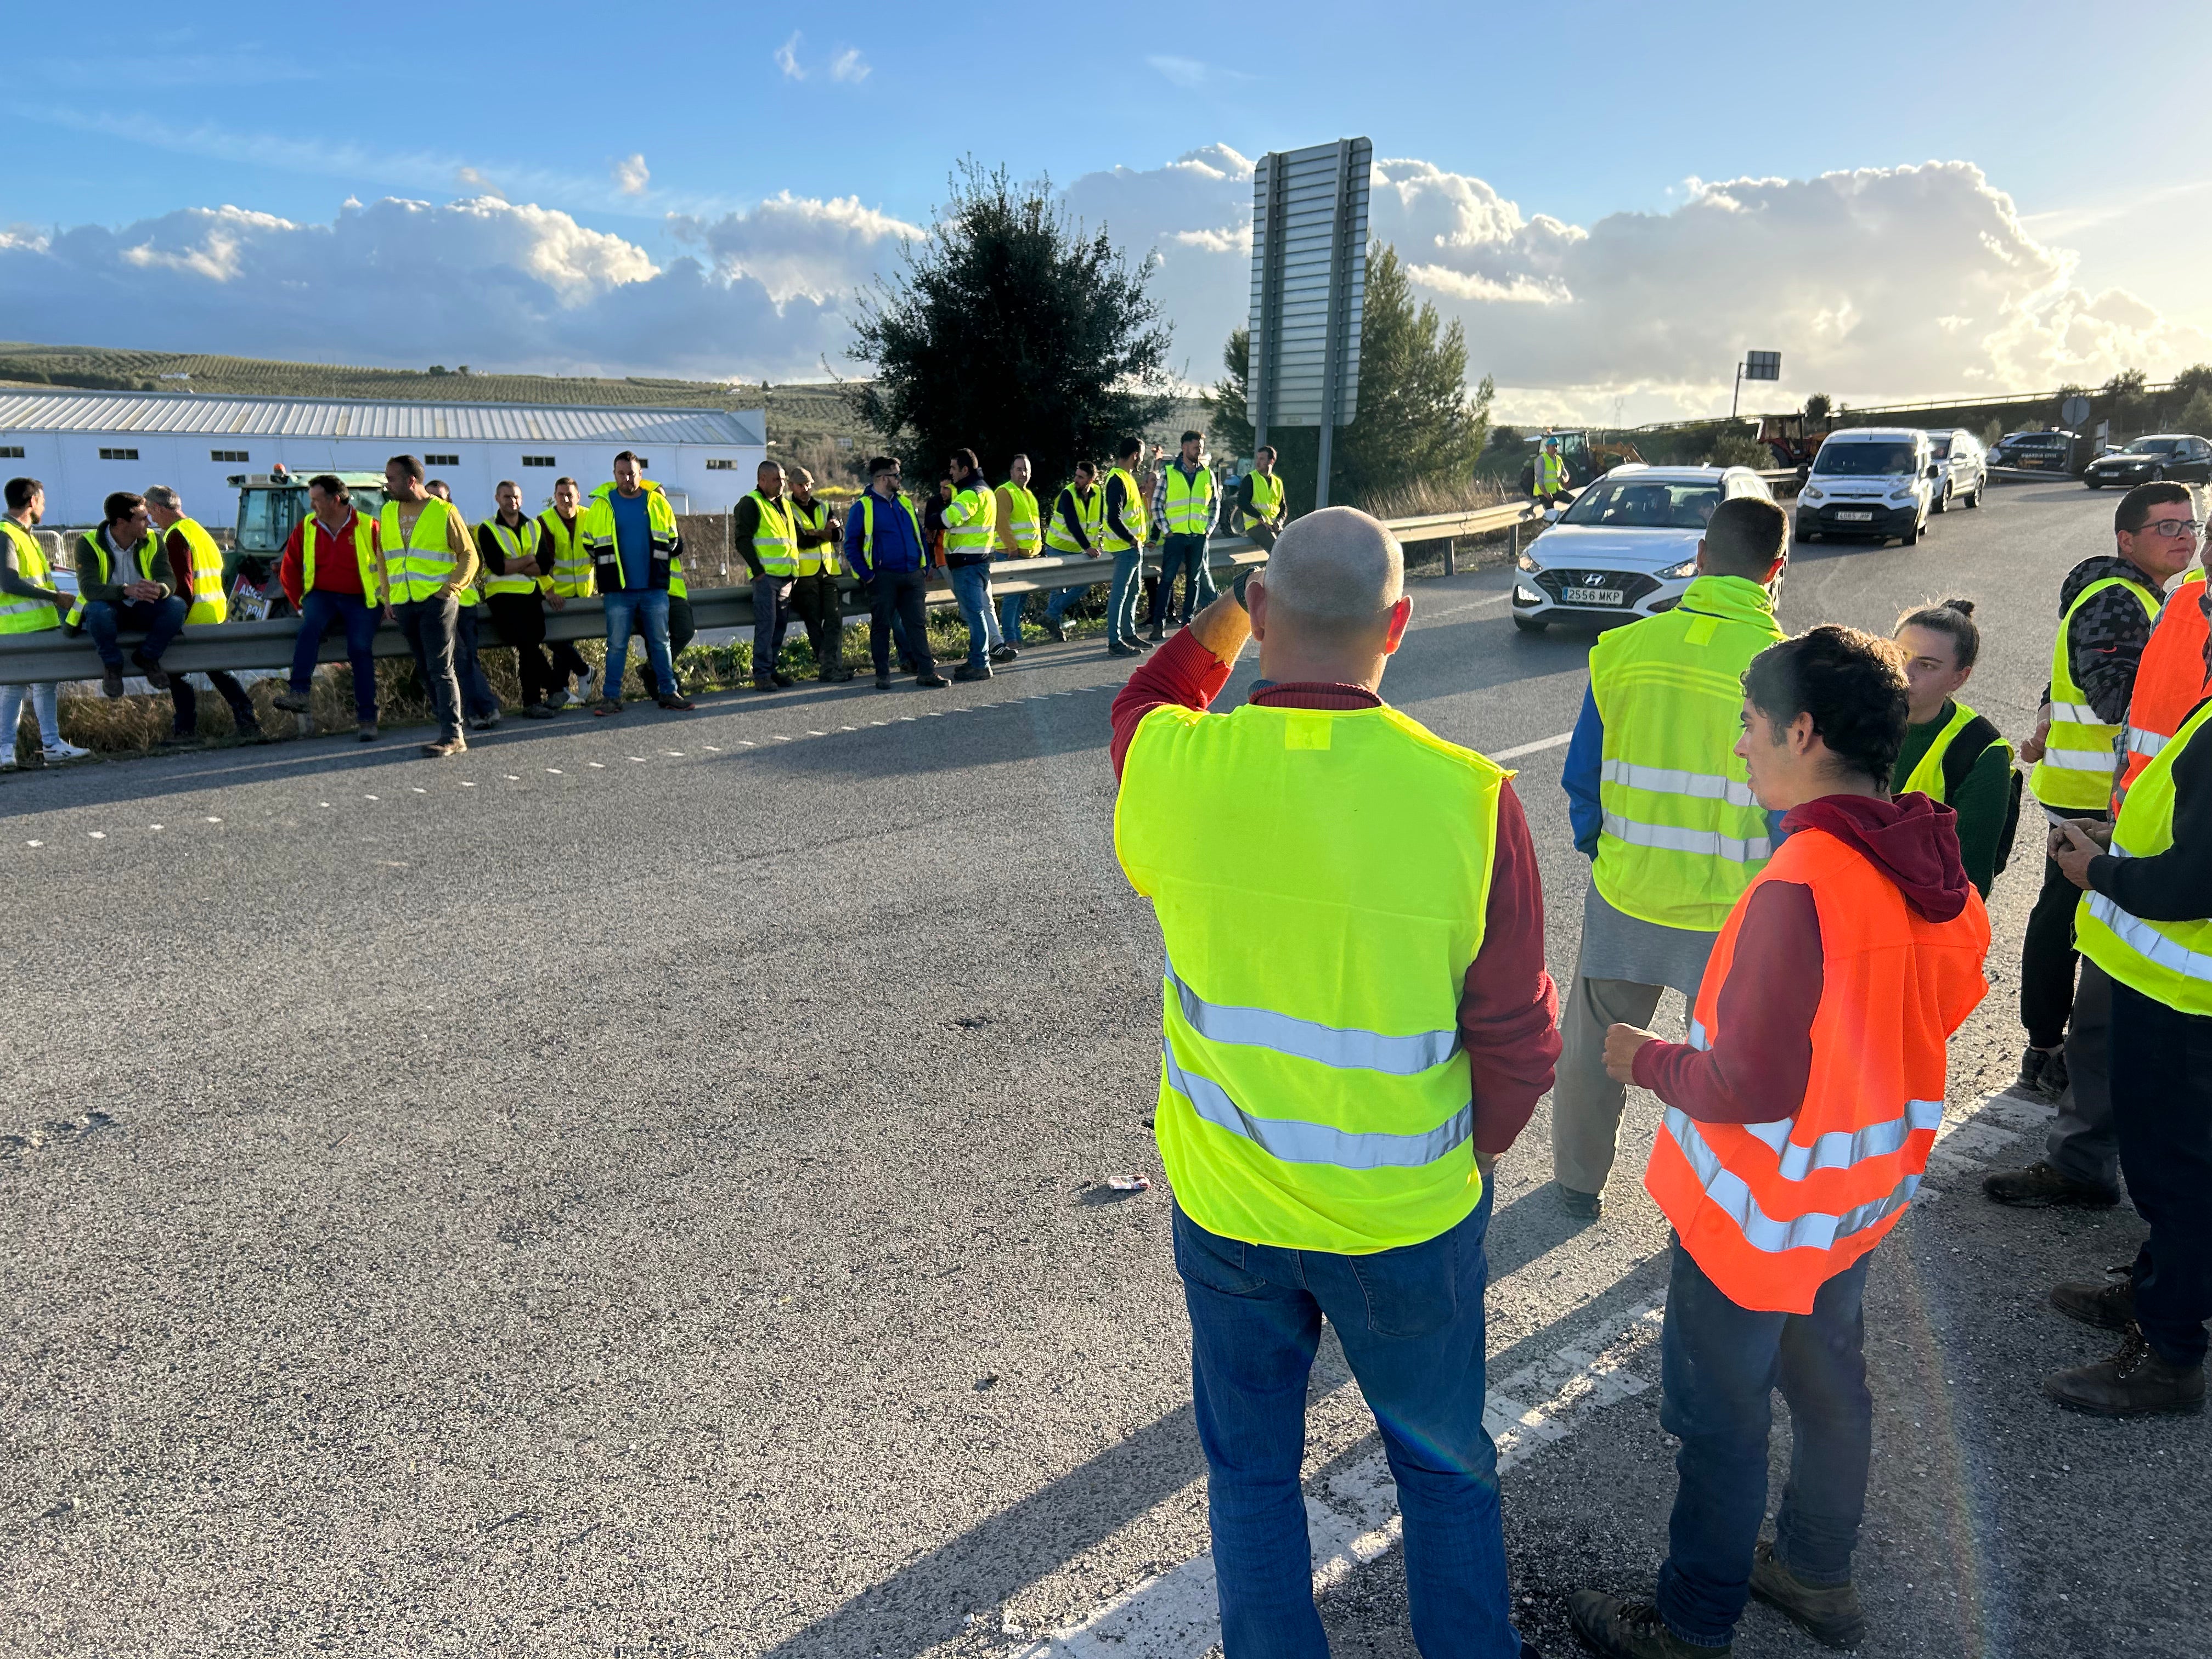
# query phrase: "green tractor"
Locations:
[[270, 508]]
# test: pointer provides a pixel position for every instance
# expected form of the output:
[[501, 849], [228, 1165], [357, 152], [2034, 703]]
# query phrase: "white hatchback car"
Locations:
[[1627, 547]]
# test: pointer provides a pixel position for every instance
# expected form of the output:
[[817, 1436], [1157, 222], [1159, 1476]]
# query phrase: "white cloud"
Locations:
[[469, 179], [1181, 71], [631, 175], [480, 280], [796, 245], [786, 59], [850, 67]]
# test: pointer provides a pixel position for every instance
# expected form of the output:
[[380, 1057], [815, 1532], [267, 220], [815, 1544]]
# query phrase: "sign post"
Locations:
[[1308, 284], [1755, 366]]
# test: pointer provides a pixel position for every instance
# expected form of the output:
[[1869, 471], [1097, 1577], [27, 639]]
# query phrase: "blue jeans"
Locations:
[[159, 620], [317, 614], [1128, 590], [644, 610], [1412, 1325], [1183, 555], [1010, 613], [41, 699], [478, 700], [1719, 1364], [1057, 606], [971, 589]]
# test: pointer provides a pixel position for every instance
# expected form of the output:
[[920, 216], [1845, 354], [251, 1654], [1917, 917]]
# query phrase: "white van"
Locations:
[[1876, 481]]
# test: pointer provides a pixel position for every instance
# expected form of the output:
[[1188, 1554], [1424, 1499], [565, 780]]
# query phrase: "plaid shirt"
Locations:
[[1160, 504]]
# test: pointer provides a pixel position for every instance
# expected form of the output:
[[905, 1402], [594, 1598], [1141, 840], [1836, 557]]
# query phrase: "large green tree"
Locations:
[[1417, 422], [1011, 330]]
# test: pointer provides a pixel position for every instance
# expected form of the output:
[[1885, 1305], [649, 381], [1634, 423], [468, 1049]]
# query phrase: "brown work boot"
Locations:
[[2110, 1306], [2133, 1382], [1829, 1613], [446, 748], [2040, 1186], [1630, 1630]]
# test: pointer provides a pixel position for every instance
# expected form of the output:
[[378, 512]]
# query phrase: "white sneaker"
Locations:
[[65, 752]]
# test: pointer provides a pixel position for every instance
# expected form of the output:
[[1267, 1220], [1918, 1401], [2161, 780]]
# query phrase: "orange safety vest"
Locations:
[[1773, 1211], [2170, 681]]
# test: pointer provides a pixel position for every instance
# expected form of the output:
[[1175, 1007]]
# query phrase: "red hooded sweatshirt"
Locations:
[[1756, 1071]]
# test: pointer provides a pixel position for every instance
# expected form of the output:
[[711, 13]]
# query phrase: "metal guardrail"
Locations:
[[52, 655]]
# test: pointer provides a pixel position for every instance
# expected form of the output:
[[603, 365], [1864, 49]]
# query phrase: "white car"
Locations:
[[1877, 480], [1627, 547], [1963, 469]]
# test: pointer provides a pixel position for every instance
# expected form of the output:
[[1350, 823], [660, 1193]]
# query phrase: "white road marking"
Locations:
[[465, 784], [34, 843], [1352, 1517], [779, 739], [597, 766], [1541, 744], [214, 820], [369, 797], [97, 834], [152, 826], [640, 759], [417, 789], [322, 803], [712, 748], [511, 778], [678, 753], [1472, 604], [555, 771]]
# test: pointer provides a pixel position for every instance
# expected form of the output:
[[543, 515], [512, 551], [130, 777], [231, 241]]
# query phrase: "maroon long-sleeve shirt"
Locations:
[[1508, 1008]]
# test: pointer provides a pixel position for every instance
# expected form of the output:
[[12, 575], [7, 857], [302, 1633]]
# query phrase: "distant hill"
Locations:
[[811, 423]]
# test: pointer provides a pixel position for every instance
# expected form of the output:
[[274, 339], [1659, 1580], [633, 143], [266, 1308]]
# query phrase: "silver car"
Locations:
[[1627, 547], [1963, 468]]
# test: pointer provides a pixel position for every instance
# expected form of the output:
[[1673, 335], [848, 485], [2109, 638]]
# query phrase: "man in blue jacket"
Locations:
[[884, 550]]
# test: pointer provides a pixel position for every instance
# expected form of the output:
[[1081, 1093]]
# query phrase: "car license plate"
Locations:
[[1592, 595], [1855, 517]]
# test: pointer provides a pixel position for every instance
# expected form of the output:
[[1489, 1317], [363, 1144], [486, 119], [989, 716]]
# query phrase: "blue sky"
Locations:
[[1588, 115]]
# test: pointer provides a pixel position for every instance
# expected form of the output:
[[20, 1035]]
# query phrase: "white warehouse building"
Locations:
[[84, 444]]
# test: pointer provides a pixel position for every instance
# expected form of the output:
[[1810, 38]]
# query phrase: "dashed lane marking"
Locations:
[[1537, 747], [1352, 1517]]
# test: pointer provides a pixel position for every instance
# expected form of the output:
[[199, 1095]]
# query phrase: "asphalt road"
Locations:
[[638, 1190]]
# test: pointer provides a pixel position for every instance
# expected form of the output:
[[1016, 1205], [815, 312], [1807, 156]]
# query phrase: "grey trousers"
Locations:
[[1586, 1103], [2083, 1142], [430, 628]]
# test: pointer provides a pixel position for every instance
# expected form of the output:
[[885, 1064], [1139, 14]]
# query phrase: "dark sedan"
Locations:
[[2175, 455], [2037, 452]]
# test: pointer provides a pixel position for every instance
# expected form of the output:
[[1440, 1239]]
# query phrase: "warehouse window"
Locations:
[[118, 455], [11, 451], [442, 461], [538, 460], [722, 466], [228, 455]]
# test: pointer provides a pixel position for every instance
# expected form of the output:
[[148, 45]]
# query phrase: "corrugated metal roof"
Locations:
[[333, 417]]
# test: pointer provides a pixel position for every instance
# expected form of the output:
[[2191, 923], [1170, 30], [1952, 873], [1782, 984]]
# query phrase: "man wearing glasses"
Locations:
[[2107, 604]]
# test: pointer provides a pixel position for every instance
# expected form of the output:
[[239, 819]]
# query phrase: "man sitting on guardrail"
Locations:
[[124, 581], [1258, 514], [196, 563], [333, 573]]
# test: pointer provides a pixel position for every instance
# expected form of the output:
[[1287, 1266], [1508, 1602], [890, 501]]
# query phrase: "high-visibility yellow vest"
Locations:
[[1927, 776], [2169, 962], [1322, 879], [867, 508], [596, 529], [822, 556], [417, 564], [1682, 835], [514, 546], [364, 558], [1133, 514], [1189, 501], [1266, 497], [2081, 755], [570, 577], [103, 557], [775, 542], [1551, 474], [969, 520], [1018, 526], [19, 614], [1089, 503], [209, 603]]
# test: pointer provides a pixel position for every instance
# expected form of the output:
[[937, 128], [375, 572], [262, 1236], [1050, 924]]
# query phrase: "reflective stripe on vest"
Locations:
[[775, 542], [2169, 962], [1133, 514], [18, 613], [596, 530], [2081, 754], [1189, 501], [1772, 1210], [364, 556], [1267, 494], [968, 520], [1681, 836], [1313, 1090], [1057, 536], [1551, 474], [209, 603], [822, 556], [417, 564], [514, 546], [571, 575], [868, 527], [2170, 680], [1018, 521]]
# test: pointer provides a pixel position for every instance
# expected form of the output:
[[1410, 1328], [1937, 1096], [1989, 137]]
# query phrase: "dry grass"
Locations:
[[1419, 501]]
